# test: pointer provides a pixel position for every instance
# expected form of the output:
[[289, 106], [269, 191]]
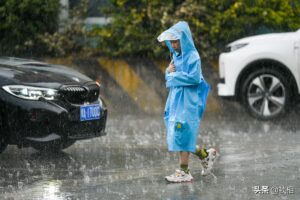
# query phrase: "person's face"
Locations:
[[176, 45]]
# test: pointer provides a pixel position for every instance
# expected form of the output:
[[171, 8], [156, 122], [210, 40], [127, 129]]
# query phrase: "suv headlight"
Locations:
[[234, 47], [31, 93]]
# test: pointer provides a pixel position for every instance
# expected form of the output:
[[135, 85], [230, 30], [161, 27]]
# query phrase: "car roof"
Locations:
[[12, 61]]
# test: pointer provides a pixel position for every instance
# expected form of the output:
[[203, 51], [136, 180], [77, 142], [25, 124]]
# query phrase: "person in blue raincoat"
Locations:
[[186, 101]]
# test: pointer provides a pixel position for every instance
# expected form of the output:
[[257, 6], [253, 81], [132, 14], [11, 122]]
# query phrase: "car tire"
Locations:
[[3, 143], [265, 94], [54, 146], [3, 138]]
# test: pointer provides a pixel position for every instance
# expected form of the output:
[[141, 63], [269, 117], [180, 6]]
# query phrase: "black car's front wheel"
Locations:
[[3, 138], [53, 146], [265, 94], [3, 143]]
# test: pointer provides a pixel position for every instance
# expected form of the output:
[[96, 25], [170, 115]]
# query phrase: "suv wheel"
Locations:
[[265, 94]]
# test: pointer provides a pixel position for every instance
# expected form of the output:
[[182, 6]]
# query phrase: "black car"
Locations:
[[47, 106]]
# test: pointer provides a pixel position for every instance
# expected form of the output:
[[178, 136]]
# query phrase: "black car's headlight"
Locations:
[[235, 47], [31, 93]]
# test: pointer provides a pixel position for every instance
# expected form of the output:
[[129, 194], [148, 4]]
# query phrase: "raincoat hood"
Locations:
[[180, 31]]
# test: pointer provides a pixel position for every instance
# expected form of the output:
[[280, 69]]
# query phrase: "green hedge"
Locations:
[[214, 23], [29, 27], [21, 21]]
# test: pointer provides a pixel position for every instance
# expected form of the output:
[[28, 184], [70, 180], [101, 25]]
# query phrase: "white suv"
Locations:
[[262, 72]]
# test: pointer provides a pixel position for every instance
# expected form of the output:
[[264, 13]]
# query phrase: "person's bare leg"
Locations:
[[184, 161], [184, 157]]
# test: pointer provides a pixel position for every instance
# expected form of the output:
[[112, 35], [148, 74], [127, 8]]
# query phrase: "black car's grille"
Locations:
[[79, 94]]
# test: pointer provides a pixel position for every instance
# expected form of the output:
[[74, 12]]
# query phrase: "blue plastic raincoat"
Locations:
[[188, 90]]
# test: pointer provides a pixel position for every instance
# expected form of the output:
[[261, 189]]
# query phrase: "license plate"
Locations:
[[89, 112]]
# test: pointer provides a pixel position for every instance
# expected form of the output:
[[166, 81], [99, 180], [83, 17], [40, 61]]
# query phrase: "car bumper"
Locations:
[[44, 121], [229, 69], [224, 91], [72, 130]]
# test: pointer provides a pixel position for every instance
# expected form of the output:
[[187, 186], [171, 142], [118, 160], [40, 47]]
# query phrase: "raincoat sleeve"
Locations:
[[192, 77], [166, 75]]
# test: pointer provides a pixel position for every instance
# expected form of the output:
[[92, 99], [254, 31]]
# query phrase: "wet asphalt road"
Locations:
[[132, 160]]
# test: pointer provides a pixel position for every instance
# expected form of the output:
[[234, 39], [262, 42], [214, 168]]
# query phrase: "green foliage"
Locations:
[[30, 27], [214, 23], [245, 18], [133, 27], [22, 20], [73, 38]]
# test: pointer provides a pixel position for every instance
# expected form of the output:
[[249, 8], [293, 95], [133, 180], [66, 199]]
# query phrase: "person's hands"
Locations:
[[171, 68]]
